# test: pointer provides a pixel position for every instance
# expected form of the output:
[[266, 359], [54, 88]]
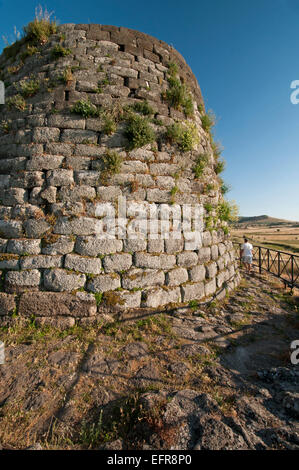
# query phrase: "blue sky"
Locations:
[[245, 55]]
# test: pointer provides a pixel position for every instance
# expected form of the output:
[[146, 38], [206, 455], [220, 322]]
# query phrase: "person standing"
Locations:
[[246, 255]]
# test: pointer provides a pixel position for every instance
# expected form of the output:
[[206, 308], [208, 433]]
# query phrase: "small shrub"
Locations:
[[85, 109], [111, 164], [29, 51], [5, 126], [17, 102], [228, 211], [29, 88], [14, 69], [178, 95], [193, 304], [184, 135], [208, 207], [143, 108], [138, 131], [225, 188], [41, 27], [67, 75], [200, 165], [109, 126], [219, 167], [59, 51], [208, 121]]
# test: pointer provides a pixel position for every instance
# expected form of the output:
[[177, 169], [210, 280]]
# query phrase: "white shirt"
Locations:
[[247, 249]]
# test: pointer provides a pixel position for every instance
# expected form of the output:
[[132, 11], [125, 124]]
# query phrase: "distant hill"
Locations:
[[263, 220]]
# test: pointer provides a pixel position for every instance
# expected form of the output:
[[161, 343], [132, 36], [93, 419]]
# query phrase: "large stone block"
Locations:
[[83, 264], [187, 259], [104, 282], [211, 270], [52, 304], [19, 281], [136, 278], [59, 280], [94, 246], [197, 273], [194, 291], [11, 229], [122, 300], [147, 260], [41, 261], [24, 247], [118, 262], [60, 177], [57, 245], [210, 287], [176, 277], [158, 297], [7, 304]]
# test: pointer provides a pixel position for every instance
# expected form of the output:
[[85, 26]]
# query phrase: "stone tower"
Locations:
[[97, 117]]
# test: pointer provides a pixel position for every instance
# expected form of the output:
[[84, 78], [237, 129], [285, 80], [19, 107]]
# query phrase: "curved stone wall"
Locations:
[[87, 127]]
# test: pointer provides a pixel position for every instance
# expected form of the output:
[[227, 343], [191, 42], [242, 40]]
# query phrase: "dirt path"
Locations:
[[203, 378]]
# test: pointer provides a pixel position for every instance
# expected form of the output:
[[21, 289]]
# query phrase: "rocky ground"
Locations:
[[217, 377]]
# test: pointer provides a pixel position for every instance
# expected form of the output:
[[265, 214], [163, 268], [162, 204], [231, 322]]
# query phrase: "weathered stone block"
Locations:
[[52, 304], [173, 245], [147, 260], [155, 246], [211, 270], [19, 281], [194, 291], [60, 177], [122, 300], [13, 196], [36, 228], [7, 304], [197, 273], [117, 262], [23, 247], [83, 264], [206, 238], [135, 244], [187, 259], [41, 261], [45, 162], [94, 246], [59, 280], [158, 297], [45, 134], [176, 277], [210, 287], [104, 282], [59, 245], [142, 278], [204, 255], [10, 229]]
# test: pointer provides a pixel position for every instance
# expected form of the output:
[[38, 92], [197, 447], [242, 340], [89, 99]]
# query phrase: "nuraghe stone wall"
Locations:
[[54, 265]]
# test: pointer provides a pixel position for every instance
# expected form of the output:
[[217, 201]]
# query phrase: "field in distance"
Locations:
[[278, 234]]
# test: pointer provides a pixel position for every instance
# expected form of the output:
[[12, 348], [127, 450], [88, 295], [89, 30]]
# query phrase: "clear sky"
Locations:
[[245, 55]]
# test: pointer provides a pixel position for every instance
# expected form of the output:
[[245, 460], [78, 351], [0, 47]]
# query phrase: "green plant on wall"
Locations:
[[28, 88], [35, 33], [59, 51], [184, 134], [142, 107], [85, 109], [219, 166], [227, 211], [17, 102], [200, 164], [138, 131], [177, 94], [111, 164]]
